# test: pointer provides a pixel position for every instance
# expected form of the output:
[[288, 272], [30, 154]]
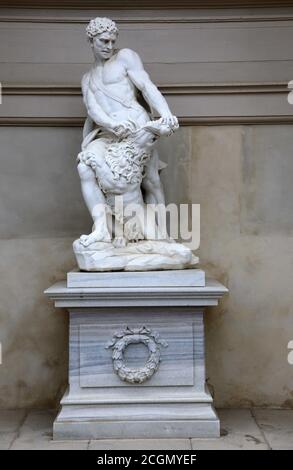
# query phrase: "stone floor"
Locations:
[[255, 429]]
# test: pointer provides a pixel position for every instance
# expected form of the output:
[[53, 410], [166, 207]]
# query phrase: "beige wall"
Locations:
[[239, 172]]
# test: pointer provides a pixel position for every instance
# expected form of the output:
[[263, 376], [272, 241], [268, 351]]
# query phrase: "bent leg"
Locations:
[[96, 204], [155, 228], [151, 183]]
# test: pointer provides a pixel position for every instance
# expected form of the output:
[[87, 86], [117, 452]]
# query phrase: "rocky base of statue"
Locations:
[[144, 255]]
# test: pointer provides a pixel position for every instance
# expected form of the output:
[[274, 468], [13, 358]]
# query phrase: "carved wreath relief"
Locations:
[[127, 336]]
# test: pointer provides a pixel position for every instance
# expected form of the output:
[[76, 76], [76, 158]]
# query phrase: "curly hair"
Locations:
[[100, 25]]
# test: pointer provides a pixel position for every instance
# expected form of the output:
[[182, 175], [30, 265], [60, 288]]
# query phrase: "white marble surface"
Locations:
[[136, 429], [171, 402], [85, 348], [143, 255], [136, 296], [118, 164], [175, 278], [96, 368]]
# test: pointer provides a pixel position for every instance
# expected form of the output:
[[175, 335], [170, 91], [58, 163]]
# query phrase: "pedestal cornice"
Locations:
[[129, 296]]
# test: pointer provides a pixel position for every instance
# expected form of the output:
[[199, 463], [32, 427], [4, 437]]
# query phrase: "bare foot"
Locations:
[[95, 236]]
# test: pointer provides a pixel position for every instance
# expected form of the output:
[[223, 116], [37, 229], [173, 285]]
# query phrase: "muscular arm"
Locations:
[[142, 81], [99, 116], [94, 110]]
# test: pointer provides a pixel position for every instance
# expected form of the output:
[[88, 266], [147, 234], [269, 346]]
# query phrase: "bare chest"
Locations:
[[113, 76]]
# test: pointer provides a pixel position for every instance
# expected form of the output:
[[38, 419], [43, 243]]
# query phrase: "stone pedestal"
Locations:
[[137, 360]]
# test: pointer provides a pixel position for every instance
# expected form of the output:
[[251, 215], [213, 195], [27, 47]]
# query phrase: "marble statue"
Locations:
[[119, 162], [160, 309]]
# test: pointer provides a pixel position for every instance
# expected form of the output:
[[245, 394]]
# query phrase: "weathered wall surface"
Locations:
[[241, 177], [214, 69]]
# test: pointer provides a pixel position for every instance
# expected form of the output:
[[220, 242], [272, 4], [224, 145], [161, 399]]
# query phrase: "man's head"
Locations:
[[102, 34]]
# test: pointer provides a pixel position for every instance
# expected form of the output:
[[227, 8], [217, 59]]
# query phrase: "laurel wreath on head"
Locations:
[[128, 336]]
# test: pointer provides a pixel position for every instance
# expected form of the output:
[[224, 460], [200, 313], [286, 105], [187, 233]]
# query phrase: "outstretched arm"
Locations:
[[140, 78]]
